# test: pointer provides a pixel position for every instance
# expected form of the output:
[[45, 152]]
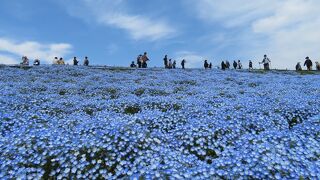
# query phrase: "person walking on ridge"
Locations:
[[144, 60], [86, 61], [266, 62], [75, 61], [308, 63], [165, 61], [235, 64], [183, 62], [205, 64], [250, 65]]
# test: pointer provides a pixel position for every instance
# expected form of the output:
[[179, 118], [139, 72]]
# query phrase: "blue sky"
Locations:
[[114, 32]]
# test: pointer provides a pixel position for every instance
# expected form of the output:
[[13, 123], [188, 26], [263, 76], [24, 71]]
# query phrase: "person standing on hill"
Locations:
[[132, 65], [36, 62], [170, 64], [235, 64], [298, 67], [239, 65], [174, 64], [210, 65], [61, 61], [250, 65], [86, 61], [165, 61], [139, 60], [144, 60], [266, 62], [55, 60], [227, 65], [308, 63], [25, 61], [205, 64], [183, 62], [75, 61], [318, 66], [223, 65]]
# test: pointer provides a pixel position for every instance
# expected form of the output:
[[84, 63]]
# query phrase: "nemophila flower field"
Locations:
[[90, 123]]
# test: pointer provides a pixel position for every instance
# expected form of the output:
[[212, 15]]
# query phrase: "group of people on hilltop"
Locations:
[[25, 61], [169, 64], [141, 61], [238, 65], [309, 64], [56, 61], [60, 61], [207, 65], [85, 61]]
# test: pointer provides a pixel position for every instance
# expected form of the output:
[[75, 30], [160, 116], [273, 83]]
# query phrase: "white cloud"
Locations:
[[193, 60], [286, 30], [32, 49], [232, 12], [4, 59], [113, 13], [139, 27]]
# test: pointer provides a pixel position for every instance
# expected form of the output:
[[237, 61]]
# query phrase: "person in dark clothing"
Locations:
[[210, 65], [250, 65], [298, 67], [227, 65], [36, 62], [139, 60], [223, 65], [174, 64], [132, 65], [206, 65], [75, 61], [183, 62], [86, 61], [308, 63], [235, 64], [165, 61]]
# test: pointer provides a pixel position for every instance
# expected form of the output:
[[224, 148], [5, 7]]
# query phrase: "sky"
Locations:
[[115, 32]]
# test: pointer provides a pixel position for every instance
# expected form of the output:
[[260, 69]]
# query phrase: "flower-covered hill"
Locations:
[[90, 123]]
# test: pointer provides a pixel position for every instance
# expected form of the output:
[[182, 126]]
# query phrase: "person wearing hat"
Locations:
[[308, 63], [266, 62]]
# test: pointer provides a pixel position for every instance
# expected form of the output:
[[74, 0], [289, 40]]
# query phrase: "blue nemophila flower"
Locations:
[[57, 122]]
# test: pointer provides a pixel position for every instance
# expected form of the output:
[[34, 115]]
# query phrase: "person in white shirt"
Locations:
[[266, 63], [55, 60]]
